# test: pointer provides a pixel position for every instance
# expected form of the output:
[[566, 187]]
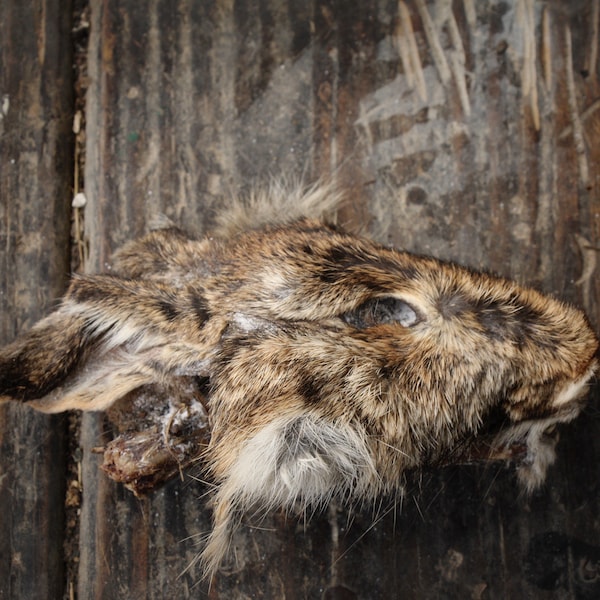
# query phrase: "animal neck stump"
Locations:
[[301, 363]]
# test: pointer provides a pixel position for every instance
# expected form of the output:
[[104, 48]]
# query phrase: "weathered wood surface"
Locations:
[[36, 169], [463, 129]]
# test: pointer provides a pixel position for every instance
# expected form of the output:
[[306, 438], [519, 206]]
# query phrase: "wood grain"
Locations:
[[467, 165], [466, 130], [36, 152]]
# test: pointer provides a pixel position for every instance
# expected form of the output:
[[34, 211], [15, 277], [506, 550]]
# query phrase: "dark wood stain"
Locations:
[[36, 168]]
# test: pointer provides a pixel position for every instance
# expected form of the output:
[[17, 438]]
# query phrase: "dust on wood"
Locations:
[[462, 129], [35, 179]]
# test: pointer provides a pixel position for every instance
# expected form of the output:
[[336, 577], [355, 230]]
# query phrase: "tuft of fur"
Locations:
[[329, 365], [280, 203], [292, 463]]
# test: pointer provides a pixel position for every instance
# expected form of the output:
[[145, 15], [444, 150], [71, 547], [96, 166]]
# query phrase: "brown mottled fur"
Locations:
[[334, 363]]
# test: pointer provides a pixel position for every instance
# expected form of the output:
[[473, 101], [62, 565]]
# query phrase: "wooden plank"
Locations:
[[461, 150], [36, 152]]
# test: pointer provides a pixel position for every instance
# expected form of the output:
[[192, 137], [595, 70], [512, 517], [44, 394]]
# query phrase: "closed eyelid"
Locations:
[[383, 311]]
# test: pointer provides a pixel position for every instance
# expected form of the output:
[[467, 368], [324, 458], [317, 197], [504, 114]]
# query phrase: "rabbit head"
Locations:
[[329, 365]]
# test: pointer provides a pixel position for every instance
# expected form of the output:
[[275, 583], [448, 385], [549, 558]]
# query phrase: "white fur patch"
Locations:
[[293, 459], [574, 389], [300, 459], [248, 323]]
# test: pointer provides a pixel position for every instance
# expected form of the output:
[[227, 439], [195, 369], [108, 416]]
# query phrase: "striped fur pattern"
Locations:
[[331, 364]]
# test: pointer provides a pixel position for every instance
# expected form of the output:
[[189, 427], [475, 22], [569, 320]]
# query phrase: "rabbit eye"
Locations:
[[382, 311]]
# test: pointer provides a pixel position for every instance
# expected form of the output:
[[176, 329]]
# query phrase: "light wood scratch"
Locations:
[[589, 256], [525, 17], [409, 52], [532, 58], [435, 45], [457, 62], [593, 53], [546, 49], [574, 112], [402, 46], [585, 115], [470, 12]]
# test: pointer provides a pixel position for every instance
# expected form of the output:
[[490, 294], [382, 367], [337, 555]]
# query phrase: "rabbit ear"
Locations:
[[109, 336], [40, 360]]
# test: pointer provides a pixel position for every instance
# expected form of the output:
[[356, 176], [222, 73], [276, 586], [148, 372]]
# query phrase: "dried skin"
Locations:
[[329, 365], [163, 431]]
